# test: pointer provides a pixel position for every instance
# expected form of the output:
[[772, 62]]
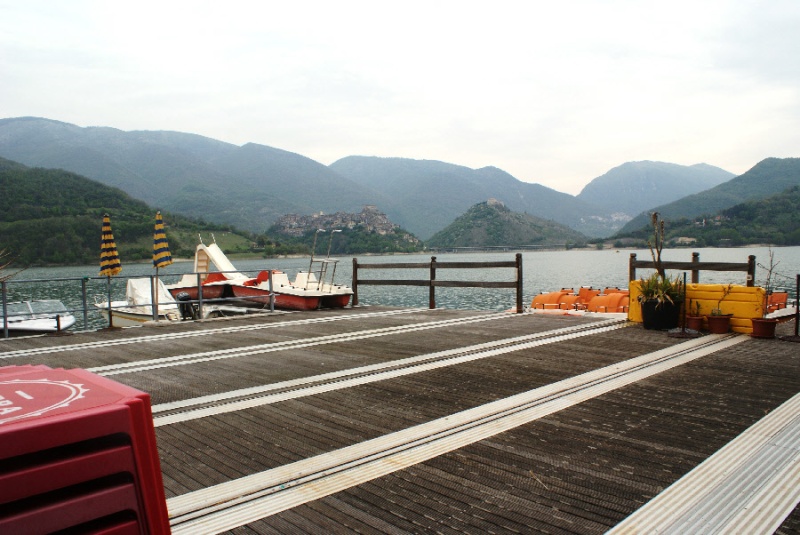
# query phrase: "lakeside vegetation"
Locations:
[[52, 217], [773, 220]]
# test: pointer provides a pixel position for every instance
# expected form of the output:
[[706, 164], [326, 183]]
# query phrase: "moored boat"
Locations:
[[36, 317], [137, 308], [307, 292], [586, 299], [213, 284]]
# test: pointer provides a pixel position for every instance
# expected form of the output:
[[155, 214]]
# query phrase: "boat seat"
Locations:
[[550, 299], [613, 302], [613, 290], [579, 302], [777, 300], [215, 277]]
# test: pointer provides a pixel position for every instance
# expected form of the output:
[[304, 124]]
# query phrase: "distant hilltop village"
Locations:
[[369, 219]]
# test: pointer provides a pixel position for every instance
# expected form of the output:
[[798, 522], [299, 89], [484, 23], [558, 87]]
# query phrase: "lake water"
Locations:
[[542, 271]]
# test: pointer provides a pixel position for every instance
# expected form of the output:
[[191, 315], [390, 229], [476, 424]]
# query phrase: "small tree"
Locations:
[[768, 279], [657, 244], [5, 261]]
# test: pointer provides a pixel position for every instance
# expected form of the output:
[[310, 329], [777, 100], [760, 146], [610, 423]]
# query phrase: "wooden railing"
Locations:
[[696, 266], [432, 282]]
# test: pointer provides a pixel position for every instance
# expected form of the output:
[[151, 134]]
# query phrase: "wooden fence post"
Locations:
[[632, 268], [519, 283], [432, 291], [695, 272], [751, 270], [355, 282]]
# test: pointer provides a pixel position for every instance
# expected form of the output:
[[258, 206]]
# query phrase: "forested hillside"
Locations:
[[492, 224], [248, 186], [769, 177], [774, 220], [51, 216]]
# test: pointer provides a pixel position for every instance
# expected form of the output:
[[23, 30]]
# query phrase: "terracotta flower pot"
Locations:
[[764, 327], [694, 323], [720, 324]]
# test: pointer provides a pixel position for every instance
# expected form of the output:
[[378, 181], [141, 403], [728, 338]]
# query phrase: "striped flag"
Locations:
[[109, 258], [161, 256]]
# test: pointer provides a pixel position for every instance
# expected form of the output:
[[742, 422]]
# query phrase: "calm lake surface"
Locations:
[[542, 271]]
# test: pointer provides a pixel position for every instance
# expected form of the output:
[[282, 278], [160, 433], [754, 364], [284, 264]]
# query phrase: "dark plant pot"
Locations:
[[694, 323], [660, 318], [719, 324], [764, 327]]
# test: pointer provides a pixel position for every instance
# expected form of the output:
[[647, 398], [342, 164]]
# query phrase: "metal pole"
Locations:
[[796, 337], [796, 306], [154, 296], [330, 242], [199, 298], [313, 248], [519, 283], [110, 315], [85, 308], [432, 291], [271, 293], [5, 309]]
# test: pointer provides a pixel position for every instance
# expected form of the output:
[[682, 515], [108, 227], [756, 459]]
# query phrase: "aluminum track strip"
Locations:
[[239, 502], [220, 354], [203, 332], [368, 374], [748, 486]]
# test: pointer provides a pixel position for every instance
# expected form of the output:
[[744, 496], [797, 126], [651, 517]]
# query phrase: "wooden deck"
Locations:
[[382, 420]]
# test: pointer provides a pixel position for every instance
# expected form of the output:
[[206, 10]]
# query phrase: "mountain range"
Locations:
[[768, 177], [251, 186]]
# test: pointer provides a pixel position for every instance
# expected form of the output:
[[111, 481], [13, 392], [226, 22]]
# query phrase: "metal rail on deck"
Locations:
[[238, 502], [695, 266], [432, 283]]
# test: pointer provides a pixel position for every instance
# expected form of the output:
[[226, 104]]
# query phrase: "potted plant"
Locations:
[[694, 318], [660, 297], [719, 323], [661, 300], [764, 327]]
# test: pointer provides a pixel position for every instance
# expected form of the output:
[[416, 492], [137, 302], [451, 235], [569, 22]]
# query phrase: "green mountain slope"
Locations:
[[768, 177], [247, 186], [51, 216], [774, 220], [633, 185], [492, 224]]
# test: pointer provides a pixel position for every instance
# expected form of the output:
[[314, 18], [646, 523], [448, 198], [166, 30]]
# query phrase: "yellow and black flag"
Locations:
[[109, 258], [161, 256]]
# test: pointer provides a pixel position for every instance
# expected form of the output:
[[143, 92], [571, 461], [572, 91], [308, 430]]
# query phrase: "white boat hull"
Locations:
[[127, 318], [36, 317]]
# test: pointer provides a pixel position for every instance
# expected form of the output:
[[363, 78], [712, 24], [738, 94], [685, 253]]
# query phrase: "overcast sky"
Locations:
[[552, 92]]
